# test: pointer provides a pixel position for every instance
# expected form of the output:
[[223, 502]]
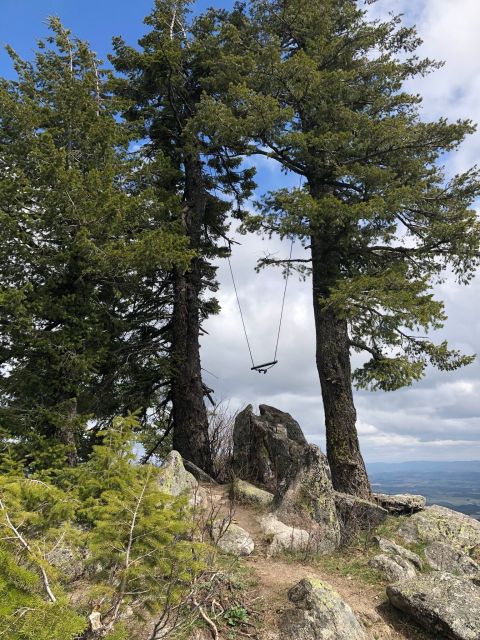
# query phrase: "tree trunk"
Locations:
[[333, 363], [190, 420], [66, 430]]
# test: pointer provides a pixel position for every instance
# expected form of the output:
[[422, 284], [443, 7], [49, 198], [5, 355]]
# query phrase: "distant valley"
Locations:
[[455, 485]]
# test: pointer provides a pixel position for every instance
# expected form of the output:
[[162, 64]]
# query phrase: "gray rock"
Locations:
[[443, 604], [198, 473], [400, 504], [438, 524], [391, 548], [444, 557], [69, 562], [247, 493], [266, 447], [306, 499], [283, 538], [233, 539], [173, 478], [356, 515], [394, 568], [319, 614]]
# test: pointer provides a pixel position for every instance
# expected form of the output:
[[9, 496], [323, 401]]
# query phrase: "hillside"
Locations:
[[455, 485]]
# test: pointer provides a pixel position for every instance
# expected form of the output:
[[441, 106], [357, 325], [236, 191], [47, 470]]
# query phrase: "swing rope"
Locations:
[[241, 312], [287, 276], [264, 367]]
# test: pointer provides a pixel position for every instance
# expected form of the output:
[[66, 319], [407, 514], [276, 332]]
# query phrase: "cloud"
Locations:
[[436, 419]]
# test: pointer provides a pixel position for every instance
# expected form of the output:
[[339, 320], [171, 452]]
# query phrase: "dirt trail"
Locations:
[[275, 576]]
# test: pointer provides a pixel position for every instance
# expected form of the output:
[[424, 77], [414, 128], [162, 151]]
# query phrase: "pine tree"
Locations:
[[165, 82], [139, 539], [33, 517], [135, 547], [81, 246], [324, 95]]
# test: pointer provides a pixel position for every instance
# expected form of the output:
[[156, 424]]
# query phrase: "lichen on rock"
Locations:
[[393, 567], [319, 613], [247, 493], [306, 499], [444, 557], [443, 604], [232, 539], [439, 524]]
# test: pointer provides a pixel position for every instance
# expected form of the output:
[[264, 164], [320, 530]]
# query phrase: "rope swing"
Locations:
[[263, 368]]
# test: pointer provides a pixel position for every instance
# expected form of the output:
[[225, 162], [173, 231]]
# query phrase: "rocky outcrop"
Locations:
[[443, 604], [319, 613], [281, 538], [247, 493], [438, 524], [394, 568], [173, 478], [198, 473], [393, 549], [356, 515], [401, 504], [266, 447], [233, 539], [444, 557], [306, 499]]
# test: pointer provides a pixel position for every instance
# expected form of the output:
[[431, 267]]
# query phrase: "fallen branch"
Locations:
[[209, 621]]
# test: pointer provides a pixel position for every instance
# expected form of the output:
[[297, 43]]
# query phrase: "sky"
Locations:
[[435, 419]]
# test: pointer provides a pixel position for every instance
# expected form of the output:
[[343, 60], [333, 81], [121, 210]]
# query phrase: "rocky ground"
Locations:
[[325, 566]]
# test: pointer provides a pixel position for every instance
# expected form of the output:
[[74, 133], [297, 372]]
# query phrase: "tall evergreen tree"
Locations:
[[79, 244], [325, 97], [165, 81]]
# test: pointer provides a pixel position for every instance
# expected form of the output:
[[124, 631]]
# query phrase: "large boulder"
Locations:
[[439, 524], [306, 499], [233, 539], [356, 515], [403, 504], [443, 604], [266, 447], [444, 557], [319, 613], [393, 568], [174, 479], [246, 493], [282, 538], [394, 549]]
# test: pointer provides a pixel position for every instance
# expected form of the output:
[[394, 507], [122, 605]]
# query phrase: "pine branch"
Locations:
[[28, 548]]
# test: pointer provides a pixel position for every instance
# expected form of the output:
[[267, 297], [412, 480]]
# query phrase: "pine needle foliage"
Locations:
[[81, 246], [324, 95], [134, 542]]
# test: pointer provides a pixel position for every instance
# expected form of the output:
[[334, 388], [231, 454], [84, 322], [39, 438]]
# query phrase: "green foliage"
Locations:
[[33, 520], [134, 542], [87, 235], [322, 92], [235, 616]]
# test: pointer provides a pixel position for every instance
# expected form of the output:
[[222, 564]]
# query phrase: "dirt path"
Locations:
[[275, 576]]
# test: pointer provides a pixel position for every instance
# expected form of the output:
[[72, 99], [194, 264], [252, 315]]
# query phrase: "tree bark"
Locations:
[[67, 429], [333, 363], [190, 420]]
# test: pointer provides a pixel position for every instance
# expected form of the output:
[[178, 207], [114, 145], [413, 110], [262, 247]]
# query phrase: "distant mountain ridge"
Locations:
[[455, 485], [425, 465]]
